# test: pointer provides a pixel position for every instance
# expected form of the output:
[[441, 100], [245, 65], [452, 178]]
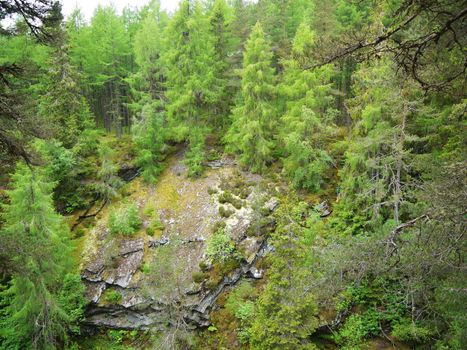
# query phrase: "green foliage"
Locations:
[[225, 212], [111, 296], [286, 309], [191, 73], [194, 157], [42, 302], [220, 246], [307, 122], [408, 331], [254, 117], [199, 277], [228, 197], [63, 102], [126, 220], [149, 135], [358, 327]]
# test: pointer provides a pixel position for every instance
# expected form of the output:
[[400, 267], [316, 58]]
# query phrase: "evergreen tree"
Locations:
[[286, 310], [149, 135], [306, 124], [63, 102], [37, 310], [255, 117], [190, 69], [220, 20], [374, 178]]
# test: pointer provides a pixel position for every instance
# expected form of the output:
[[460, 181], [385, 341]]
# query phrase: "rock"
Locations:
[[238, 223], [194, 240], [215, 164], [131, 246], [249, 247], [93, 272], [271, 204], [255, 273], [94, 291], [128, 172], [154, 243], [193, 289], [323, 209]]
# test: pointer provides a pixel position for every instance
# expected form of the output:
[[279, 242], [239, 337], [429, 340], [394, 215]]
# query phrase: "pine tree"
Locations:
[[220, 20], [149, 135], [255, 117], [306, 124], [286, 310], [190, 69], [38, 310], [63, 102], [374, 178]]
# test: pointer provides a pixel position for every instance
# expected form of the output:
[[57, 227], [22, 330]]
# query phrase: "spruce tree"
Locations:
[[220, 20], [306, 124], [37, 310], [189, 59], [255, 116], [63, 102], [374, 179]]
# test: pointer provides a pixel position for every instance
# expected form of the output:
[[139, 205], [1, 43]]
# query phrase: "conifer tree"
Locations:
[[149, 135], [255, 117], [220, 20], [63, 102], [374, 176], [306, 124], [37, 310], [189, 58], [286, 310]]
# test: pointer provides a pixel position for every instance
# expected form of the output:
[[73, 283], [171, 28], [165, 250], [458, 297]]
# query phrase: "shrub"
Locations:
[[111, 296], [199, 277], [220, 246], [225, 212], [203, 266], [227, 197], [124, 221], [408, 331], [212, 190]]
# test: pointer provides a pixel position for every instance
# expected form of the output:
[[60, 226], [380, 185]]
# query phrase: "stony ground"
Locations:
[[131, 280]]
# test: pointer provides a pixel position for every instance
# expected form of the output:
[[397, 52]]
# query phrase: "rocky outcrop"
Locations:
[[123, 297]]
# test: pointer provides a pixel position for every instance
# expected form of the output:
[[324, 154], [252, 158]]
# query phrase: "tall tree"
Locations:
[[63, 102], [190, 60], [35, 240], [374, 178], [220, 20], [255, 116], [307, 122]]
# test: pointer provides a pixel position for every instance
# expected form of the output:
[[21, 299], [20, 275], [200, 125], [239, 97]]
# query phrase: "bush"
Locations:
[[225, 212], [227, 197], [408, 331], [124, 221], [199, 277], [203, 266], [112, 297], [220, 246]]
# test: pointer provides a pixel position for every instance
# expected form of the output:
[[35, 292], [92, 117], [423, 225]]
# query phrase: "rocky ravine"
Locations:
[[138, 282]]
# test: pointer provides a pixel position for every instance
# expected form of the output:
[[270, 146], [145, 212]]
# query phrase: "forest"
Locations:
[[235, 174]]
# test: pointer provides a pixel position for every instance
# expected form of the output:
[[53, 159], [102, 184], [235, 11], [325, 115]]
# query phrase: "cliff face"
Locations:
[[168, 277]]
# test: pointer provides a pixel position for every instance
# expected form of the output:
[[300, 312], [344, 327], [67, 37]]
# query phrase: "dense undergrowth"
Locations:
[[353, 112]]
